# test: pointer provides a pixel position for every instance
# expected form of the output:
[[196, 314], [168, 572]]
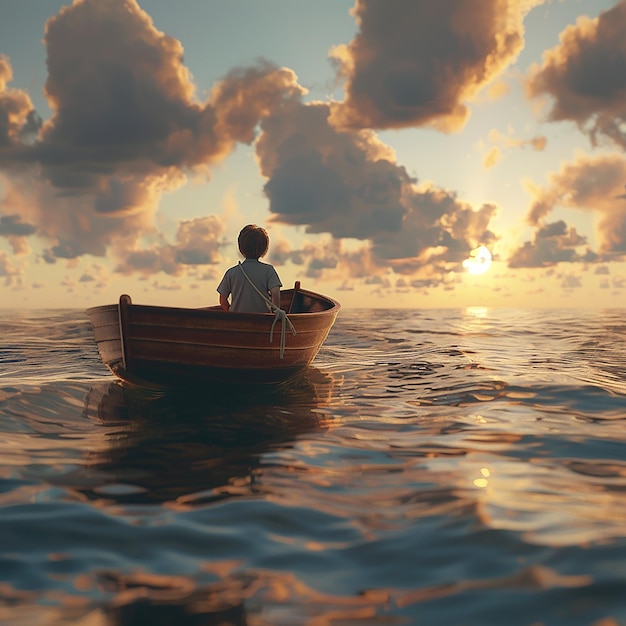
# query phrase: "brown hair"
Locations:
[[253, 241]]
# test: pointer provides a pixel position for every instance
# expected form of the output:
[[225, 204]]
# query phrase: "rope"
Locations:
[[278, 313]]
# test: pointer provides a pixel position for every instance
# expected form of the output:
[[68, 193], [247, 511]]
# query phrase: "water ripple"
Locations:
[[462, 467]]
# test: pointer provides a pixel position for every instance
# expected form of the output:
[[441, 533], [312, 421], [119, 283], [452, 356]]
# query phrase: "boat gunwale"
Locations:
[[216, 311]]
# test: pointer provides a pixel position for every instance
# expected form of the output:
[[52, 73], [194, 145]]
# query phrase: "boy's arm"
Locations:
[[224, 303]]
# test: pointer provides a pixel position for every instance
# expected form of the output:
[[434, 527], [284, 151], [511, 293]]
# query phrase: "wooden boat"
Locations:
[[170, 346]]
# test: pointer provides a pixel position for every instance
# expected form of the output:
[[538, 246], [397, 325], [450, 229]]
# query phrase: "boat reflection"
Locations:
[[168, 600], [187, 448]]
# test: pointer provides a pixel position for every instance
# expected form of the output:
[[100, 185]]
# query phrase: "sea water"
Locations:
[[457, 467]]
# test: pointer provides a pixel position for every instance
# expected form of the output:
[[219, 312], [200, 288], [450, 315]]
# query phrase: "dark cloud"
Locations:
[[553, 243], [126, 127], [585, 76], [343, 183], [129, 102], [16, 233], [127, 98], [347, 184], [414, 63], [12, 225]]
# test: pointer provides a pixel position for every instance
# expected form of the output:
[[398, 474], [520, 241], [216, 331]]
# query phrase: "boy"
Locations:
[[253, 244]]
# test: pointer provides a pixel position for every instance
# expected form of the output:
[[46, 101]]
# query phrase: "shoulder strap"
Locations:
[[279, 313]]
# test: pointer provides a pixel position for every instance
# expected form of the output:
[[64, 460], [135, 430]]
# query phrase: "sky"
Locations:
[[400, 153]]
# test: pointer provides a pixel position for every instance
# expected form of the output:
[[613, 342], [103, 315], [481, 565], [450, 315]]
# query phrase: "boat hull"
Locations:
[[169, 346]]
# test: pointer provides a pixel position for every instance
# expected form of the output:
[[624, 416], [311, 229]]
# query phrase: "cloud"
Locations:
[[18, 119], [129, 101], [590, 183], [16, 233], [8, 271], [492, 157], [327, 257], [508, 141], [70, 225], [501, 143], [419, 63], [570, 282], [619, 282], [11, 225], [348, 184], [585, 76], [553, 243], [96, 276], [197, 243], [125, 127]]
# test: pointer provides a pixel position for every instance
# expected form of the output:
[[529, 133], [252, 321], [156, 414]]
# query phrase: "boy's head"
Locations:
[[253, 241]]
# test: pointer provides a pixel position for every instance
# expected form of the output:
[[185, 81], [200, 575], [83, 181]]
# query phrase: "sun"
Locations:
[[479, 261]]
